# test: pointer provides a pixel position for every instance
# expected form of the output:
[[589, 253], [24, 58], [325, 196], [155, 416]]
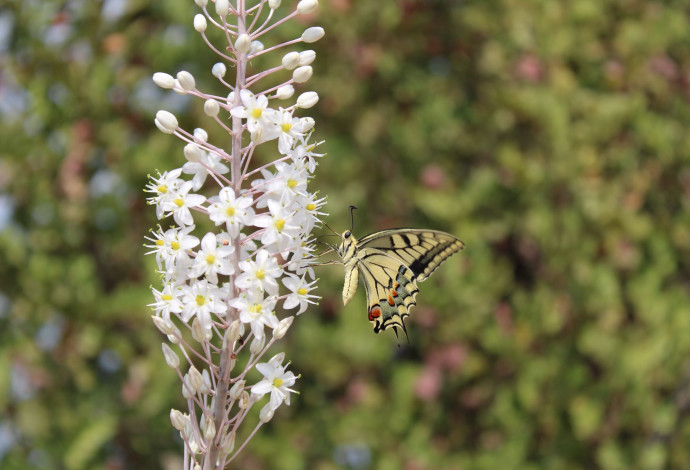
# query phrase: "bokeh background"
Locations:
[[552, 137]]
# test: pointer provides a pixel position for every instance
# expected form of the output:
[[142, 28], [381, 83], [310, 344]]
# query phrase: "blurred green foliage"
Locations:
[[550, 136]]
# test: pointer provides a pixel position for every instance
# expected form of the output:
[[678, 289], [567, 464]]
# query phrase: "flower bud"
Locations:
[[186, 388], [196, 381], [313, 34], [285, 92], [175, 336], [291, 60], [257, 46], [166, 122], [307, 100], [257, 344], [201, 3], [237, 389], [222, 8], [211, 108], [209, 427], [199, 333], [164, 326], [170, 357], [177, 419], [218, 70], [234, 332], [302, 74], [200, 22], [164, 80], [243, 44], [206, 387], [245, 400], [280, 330], [266, 413], [307, 6], [307, 57], [277, 359], [186, 80], [201, 134], [228, 444], [307, 124], [273, 4]]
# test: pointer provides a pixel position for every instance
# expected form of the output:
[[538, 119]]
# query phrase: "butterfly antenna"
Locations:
[[329, 228], [352, 218]]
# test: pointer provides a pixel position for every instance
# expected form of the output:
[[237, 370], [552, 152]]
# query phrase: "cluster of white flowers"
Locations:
[[242, 282]]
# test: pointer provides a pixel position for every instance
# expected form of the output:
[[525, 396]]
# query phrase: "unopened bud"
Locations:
[[266, 413], [201, 3], [187, 391], [166, 122], [164, 326], [307, 124], [200, 22], [280, 330], [307, 6], [201, 134], [186, 80], [257, 46], [195, 379], [218, 70], [193, 153], [243, 43], [302, 74], [237, 389], [175, 336], [257, 344], [313, 34], [307, 100], [222, 8], [277, 359], [164, 80], [291, 60], [177, 419], [206, 387], [285, 92], [273, 4], [170, 357], [245, 400], [306, 57], [211, 108], [234, 331], [209, 427]]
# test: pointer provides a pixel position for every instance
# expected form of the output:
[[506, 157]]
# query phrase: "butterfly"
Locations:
[[391, 263]]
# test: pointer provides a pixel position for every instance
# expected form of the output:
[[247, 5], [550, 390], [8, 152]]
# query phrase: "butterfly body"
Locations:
[[391, 263]]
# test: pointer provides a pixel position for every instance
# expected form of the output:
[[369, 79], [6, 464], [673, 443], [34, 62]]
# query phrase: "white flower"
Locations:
[[210, 162], [201, 299], [280, 229], [256, 311], [234, 212], [276, 382], [289, 182], [305, 152], [300, 293], [212, 259], [163, 188], [180, 203], [172, 248], [290, 128], [168, 301], [260, 274], [302, 259], [255, 110]]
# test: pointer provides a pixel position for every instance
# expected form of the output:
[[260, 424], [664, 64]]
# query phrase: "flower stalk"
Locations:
[[232, 288]]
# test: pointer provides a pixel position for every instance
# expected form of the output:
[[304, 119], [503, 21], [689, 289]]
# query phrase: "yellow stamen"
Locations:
[[210, 259], [166, 297], [302, 291], [286, 127], [280, 223], [256, 113], [200, 300], [311, 207], [179, 202], [160, 243], [256, 308], [260, 274], [292, 184], [277, 382], [162, 189], [230, 211], [175, 245]]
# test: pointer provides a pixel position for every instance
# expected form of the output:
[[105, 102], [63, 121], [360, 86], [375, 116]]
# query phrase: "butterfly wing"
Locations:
[[420, 250], [391, 288]]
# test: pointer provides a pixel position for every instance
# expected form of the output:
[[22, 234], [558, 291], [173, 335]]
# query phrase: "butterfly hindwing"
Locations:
[[391, 289]]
